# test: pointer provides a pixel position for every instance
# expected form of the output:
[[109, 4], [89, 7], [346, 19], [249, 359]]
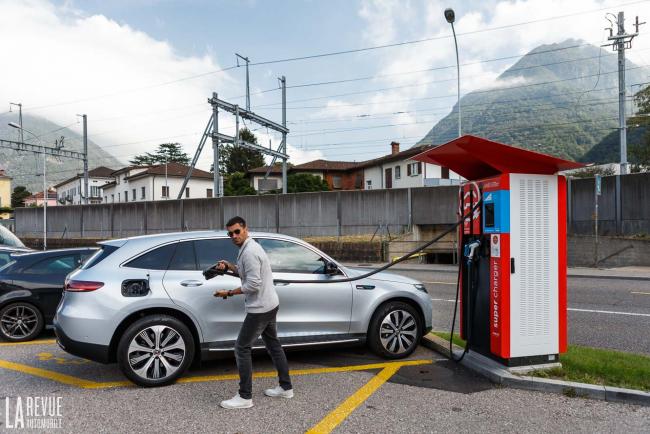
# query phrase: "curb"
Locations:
[[499, 375]]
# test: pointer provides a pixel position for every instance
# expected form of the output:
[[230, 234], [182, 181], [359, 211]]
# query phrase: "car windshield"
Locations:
[[7, 238]]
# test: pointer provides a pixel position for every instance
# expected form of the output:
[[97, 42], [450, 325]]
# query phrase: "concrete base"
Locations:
[[520, 370]]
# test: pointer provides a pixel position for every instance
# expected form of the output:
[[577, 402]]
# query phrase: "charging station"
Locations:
[[513, 273]]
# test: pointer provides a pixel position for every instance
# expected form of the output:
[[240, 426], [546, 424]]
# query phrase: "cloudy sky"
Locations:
[[360, 74]]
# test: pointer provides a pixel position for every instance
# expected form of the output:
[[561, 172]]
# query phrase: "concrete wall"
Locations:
[[623, 206], [332, 213], [610, 251]]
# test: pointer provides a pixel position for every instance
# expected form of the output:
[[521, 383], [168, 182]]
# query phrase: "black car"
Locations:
[[31, 285]]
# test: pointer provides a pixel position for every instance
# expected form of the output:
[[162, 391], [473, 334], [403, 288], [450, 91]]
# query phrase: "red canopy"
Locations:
[[476, 158]]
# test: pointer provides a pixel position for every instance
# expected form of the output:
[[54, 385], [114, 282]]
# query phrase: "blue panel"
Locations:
[[496, 212]]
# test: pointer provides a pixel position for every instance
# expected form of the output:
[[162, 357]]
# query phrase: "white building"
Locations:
[[159, 182], [71, 191], [396, 170]]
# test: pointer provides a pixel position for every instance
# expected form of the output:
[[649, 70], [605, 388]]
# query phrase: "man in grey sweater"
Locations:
[[261, 301]]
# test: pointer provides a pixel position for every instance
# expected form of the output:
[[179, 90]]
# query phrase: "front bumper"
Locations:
[[94, 352]]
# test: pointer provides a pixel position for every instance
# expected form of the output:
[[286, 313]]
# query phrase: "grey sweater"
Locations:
[[254, 268]]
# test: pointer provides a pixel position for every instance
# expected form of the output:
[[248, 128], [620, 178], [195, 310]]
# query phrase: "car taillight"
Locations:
[[82, 285]]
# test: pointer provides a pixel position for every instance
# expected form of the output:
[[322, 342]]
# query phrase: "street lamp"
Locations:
[[450, 16], [45, 195]]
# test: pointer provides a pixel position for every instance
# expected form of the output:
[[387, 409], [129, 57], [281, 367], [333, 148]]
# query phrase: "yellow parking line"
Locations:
[[56, 376], [640, 293], [340, 413], [88, 384], [40, 342]]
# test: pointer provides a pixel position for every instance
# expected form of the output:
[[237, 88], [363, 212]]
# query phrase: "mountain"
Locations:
[[25, 167], [560, 99]]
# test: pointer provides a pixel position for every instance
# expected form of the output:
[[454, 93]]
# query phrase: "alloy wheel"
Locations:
[[398, 331], [19, 322], [156, 352]]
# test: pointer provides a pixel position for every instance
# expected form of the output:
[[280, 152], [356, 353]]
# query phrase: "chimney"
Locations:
[[394, 148]]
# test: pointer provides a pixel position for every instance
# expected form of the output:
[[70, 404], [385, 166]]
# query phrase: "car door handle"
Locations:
[[191, 283]]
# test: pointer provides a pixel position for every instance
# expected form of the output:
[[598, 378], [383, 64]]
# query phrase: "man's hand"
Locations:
[[221, 293], [223, 265]]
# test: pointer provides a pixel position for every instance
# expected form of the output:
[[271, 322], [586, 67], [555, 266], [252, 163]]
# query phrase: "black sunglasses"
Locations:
[[235, 232]]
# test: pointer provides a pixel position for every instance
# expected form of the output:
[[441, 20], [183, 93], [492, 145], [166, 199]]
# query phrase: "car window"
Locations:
[[208, 252], [184, 258], [289, 257], [156, 259], [99, 255], [5, 257], [87, 254], [55, 265]]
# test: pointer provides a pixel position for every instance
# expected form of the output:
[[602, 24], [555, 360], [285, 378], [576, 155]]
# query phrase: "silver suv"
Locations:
[[143, 302]]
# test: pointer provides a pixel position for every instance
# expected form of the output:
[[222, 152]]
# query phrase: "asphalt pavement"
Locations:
[[336, 390], [607, 308]]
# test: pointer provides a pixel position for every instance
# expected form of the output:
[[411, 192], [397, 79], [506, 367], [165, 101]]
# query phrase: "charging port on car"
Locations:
[[135, 288]]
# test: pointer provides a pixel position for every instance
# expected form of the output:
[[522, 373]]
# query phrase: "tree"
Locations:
[[234, 159], [166, 153], [18, 196], [640, 151], [303, 182], [236, 184], [592, 171]]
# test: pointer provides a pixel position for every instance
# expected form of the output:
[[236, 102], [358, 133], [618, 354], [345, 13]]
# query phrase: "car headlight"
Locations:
[[420, 287]]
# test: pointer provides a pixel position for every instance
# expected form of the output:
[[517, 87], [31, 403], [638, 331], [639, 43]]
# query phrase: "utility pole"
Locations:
[[283, 80], [216, 176], [248, 89], [45, 198], [620, 42], [85, 126]]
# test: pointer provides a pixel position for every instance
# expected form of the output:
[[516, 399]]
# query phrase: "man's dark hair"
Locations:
[[235, 220]]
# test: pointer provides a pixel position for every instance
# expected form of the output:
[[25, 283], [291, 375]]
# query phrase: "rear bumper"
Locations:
[[94, 352]]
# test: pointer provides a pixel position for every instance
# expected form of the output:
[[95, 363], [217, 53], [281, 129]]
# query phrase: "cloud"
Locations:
[[59, 55]]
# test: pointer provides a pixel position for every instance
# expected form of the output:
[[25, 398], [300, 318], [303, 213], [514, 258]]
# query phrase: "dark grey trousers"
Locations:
[[254, 325]]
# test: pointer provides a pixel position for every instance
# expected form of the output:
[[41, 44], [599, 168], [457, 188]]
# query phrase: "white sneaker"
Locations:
[[237, 402], [278, 391]]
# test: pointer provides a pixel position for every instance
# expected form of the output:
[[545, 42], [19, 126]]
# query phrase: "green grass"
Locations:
[[594, 366]]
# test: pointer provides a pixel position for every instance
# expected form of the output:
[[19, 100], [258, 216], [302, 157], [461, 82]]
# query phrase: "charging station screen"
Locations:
[[489, 215]]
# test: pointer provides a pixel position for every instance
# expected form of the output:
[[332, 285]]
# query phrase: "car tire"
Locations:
[[20, 322], [155, 350], [395, 330]]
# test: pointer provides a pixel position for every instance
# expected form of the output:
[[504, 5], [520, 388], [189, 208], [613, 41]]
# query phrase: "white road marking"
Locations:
[[611, 312], [640, 293]]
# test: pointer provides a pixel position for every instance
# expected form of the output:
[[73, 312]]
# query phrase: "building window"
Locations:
[[112, 198], [369, 184], [414, 169], [143, 196], [336, 181], [187, 192], [94, 191], [208, 192], [126, 195], [119, 198], [133, 196], [398, 172], [444, 172], [105, 199], [165, 191], [358, 181]]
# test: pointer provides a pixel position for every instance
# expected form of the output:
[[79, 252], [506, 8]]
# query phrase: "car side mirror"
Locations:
[[331, 268]]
